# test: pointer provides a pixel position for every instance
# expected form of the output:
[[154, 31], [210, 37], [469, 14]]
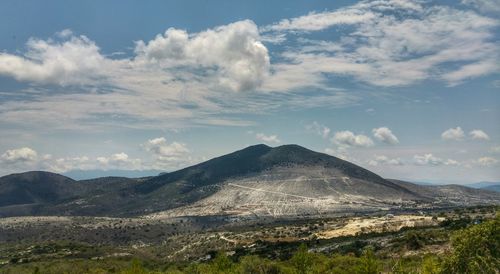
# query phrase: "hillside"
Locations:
[[495, 188], [285, 181], [35, 188]]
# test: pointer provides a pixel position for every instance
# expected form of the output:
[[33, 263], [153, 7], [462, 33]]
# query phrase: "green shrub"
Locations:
[[302, 260], [369, 263], [475, 250]]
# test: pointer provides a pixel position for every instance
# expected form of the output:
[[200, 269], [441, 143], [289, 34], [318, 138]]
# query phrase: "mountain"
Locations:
[[483, 184], [36, 187], [25, 193], [285, 181], [495, 188], [250, 175], [455, 195], [92, 174]]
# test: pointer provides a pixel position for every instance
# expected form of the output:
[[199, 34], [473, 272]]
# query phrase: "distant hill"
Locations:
[[285, 181], [483, 184], [453, 194], [36, 187], [492, 188], [91, 174]]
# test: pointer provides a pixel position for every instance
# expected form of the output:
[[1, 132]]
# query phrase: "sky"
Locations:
[[407, 89]]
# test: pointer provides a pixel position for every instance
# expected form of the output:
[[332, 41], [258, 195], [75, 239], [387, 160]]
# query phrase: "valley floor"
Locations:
[[183, 245]]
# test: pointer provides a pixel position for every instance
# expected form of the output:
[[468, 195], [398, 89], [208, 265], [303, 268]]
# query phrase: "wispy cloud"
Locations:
[[163, 156], [431, 160], [319, 129], [392, 43], [487, 161], [384, 160], [177, 79], [488, 6]]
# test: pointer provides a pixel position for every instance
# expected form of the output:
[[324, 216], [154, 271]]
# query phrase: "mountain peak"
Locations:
[[259, 179], [255, 159], [35, 187], [37, 175]]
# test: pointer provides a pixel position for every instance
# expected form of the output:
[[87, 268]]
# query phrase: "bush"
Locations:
[[302, 260], [368, 263], [256, 265], [475, 250]]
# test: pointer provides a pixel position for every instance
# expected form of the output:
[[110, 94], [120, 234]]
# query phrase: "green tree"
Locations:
[[255, 265], [302, 260], [220, 264], [475, 249], [413, 240], [369, 263]]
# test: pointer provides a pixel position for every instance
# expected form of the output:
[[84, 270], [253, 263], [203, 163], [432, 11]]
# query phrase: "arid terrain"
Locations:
[[257, 201]]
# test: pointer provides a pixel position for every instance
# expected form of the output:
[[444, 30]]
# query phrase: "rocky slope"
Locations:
[[286, 181]]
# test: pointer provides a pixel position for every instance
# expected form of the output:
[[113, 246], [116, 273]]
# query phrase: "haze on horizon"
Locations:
[[407, 89]]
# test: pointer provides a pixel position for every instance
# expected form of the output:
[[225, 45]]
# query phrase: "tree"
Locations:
[[302, 260], [222, 263], [369, 263], [255, 265], [413, 241], [475, 249]]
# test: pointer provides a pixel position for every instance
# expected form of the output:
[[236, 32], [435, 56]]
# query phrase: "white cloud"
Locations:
[[478, 134], [119, 157], [19, 155], [487, 161], [473, 70], [167, 153], [392, 43], [240, 60], [267, 138], [453, 134], [341, 153], [25, 159], [347, 138], [229, 56], [73, 61], [153, 89], [161, 86], [385, 135], [65, 33], [319, 129], [363, 12], [165, 156], [384, 160], [116, 161], [178, 79], [319, 21], [61, 165], [431, 160]]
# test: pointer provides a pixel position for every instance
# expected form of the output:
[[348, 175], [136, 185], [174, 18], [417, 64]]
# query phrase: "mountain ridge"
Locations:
[[258, 180]]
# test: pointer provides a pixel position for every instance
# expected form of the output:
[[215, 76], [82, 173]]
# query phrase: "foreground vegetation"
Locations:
[[465, 246]]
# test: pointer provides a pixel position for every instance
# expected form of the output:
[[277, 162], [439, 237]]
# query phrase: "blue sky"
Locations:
[[408, 89]]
